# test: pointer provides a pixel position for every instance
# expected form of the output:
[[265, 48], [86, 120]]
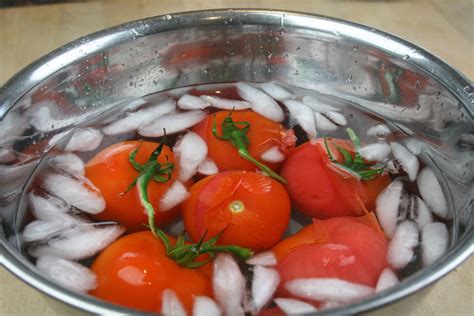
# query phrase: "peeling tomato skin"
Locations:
[[253, 209]]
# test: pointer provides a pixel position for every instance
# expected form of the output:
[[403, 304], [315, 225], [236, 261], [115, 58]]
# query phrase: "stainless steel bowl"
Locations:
[[372, 70]]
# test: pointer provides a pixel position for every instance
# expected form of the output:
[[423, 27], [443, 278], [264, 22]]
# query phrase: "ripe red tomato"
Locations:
[[320, 190], [347, 248], [134, 270], [111, 172], [253, 209], [263, 135]]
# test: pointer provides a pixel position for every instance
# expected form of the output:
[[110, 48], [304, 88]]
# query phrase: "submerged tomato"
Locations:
[[111, 172], [351, 249], [134, 270], [318, 189], [263, 134], [253, 209]]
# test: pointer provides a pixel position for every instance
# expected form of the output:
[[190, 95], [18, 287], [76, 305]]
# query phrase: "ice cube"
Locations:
[[379, 130], [434, 242], [205, 306], [176, 194], [415, 146], [273, 155], [328, 289], [303, 115], [323, 123], [422, 214], [191, 151], [292, 306], [208, 167], [408, 161], [42, 229], [84, 139], [69, 163], [336, 118], [134, 120], [77, 191], [226, 104], [172, 123], [264, 283], [228, 284], [171, 305], [386, 207], [375, 152], [44, 206], [431, 192], [266, 258], [387, 279], [192, 102], [401, 247], [277, 91], [261, 102], [78, 244], [68, 274]]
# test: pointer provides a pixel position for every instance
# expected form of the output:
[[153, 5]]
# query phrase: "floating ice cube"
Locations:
[[323, 123], [68, 274], [77, 191], [386, 206], [408, 161], [387, 279], [292, 306], [226, 104], [69, 163], [172, 123], [264, 283], [434, 242], [228, 284], [205, 306], [277, 91], [134, 120], [192, 102], [336, 118], [42, 229], [44, 206], [401, 247], [176, 194], [78, 244], [261, 102], [171, 305], [303, 115], [273, 155], [422, 214], [317, 105], [84, 139], [191, 151], [375, 152], [266, 258], [328, 289], [431, 192], [208, 167], [379, 130], [415, 146]]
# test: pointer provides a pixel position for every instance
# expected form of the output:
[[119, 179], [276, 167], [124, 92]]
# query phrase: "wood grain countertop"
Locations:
[[441, 26]]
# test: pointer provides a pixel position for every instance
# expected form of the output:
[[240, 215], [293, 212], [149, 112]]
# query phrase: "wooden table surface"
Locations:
[[443, 27]]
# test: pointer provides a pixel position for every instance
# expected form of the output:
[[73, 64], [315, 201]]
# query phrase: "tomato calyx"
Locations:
[[186, 255], [356, 165], [239, 139], [150, 170]]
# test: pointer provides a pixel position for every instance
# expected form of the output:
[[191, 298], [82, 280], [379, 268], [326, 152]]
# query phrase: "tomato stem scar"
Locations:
[[239, 139], [236, 206]]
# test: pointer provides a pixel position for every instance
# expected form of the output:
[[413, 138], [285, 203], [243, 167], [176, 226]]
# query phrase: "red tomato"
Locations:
[[253, 209], [347, 248], [111, 172], [319, 189], [263, 135], [134, 270]]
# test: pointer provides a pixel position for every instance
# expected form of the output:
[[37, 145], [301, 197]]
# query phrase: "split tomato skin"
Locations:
[[318, 189], [111, 172], [263, 134], [347, 248], [134, 271], [253, 210]]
